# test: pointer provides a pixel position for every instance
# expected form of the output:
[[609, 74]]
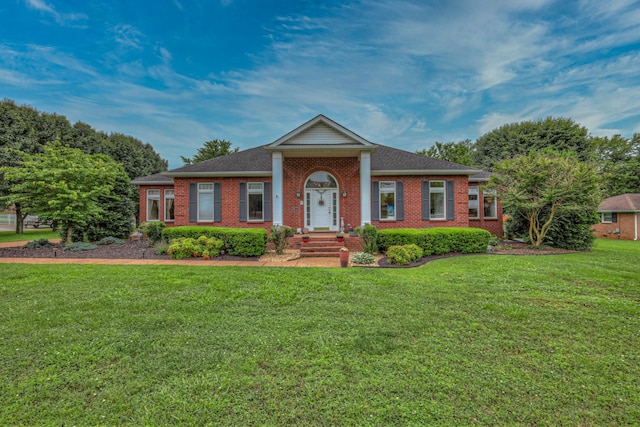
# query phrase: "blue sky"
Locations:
[[176, 73]]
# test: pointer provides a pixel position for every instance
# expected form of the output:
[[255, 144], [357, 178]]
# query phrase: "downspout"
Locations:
[[635, 223]]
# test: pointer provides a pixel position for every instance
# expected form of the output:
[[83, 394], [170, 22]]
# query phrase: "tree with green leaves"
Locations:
[[63, 184], [210, 150], [543, 187], [517, 139], [457, 152], [618, 159], [23, 129]]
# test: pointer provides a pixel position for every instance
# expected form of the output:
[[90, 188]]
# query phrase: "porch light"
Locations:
[[298, 194], [344, 193]]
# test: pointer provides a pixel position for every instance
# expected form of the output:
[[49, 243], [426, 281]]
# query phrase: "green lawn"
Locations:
[[487, 340], [11, 236]]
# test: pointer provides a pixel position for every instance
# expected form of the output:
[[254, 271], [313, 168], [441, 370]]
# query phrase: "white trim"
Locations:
[[216, 174], [277, 201], [425, 172], [327, 121], [173, 197], [636, 226], [365, 188]]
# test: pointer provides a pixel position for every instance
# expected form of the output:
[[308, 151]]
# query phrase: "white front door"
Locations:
[[321, 209]]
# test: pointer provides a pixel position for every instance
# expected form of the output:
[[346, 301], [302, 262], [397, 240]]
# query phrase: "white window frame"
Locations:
[[385, 188], [169, 195], [438, 190], [203, 189], [604, 217], [258, 188], [494, 203], [474, 190], [153, 195]]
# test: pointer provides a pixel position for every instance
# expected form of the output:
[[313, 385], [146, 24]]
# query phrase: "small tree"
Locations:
[[210, 150], [545, 186], [63, 184]]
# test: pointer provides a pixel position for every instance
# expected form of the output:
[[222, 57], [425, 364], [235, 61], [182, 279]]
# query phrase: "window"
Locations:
[[205, 201], [607, 216], [168, 205], [437, 200], [387, 200], [490, 204], [255, 195], [474, 212], [153, 205]]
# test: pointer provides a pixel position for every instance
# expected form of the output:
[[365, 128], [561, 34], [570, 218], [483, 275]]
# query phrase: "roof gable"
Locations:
[[320, 131]]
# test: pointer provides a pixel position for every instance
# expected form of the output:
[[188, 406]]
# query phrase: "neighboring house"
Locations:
[[619, 217], [321, 177]]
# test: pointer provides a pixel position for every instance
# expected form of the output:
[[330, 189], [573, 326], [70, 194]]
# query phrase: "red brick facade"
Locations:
[[347, 174], [624, 228]]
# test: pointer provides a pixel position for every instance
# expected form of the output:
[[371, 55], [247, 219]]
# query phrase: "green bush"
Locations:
[[188, 247], [280, 237], [79, 246], [398, 255], [436, 241], [110, 240], [245, 242], [161, 248], [414, 252], [37, 244], [362, 258], [153, 231], [572, 230], [368, 237]]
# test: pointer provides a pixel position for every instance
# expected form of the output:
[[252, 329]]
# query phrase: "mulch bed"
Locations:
[[506, 247], [131, 249]]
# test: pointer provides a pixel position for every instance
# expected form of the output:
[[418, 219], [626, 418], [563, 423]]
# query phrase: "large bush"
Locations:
[[436, 241], [573, 231], [245, 242]]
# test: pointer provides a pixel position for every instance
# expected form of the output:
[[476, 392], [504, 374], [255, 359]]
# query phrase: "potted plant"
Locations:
[[305, 238], [340, 237], [344, 256]]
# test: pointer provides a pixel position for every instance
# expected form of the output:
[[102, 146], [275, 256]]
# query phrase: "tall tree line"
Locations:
[[23, 129]]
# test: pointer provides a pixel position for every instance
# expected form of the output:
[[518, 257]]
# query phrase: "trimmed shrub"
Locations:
[[398, 255], [37, 244], [436, 241], [110, 240], [280, 237], [153, 231], [79, 246], [245, 242], [362, 258], [414, 252], [188, 247]]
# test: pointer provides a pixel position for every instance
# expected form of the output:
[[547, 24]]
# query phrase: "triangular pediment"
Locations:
[[320, 132]]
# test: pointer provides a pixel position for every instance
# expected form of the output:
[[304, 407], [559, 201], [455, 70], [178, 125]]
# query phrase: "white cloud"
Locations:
[[127, 36], [70, 19]]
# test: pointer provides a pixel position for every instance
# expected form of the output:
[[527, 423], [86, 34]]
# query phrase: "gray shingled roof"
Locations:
[[156, 179], [482, 176], [386, 158], [629, 202], [258, 159]]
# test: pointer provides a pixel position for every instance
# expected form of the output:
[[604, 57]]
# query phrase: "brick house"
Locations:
[[619, 217], [321, 177]]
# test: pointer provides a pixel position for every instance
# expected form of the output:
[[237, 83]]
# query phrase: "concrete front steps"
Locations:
[[324, 245]]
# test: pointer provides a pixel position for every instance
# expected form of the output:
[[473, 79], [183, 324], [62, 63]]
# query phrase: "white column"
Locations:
[[365, 188], [635, 222], [277, 192]]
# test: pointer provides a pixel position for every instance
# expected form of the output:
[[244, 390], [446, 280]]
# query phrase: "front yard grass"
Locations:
[[492, 340], [11, 236]]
